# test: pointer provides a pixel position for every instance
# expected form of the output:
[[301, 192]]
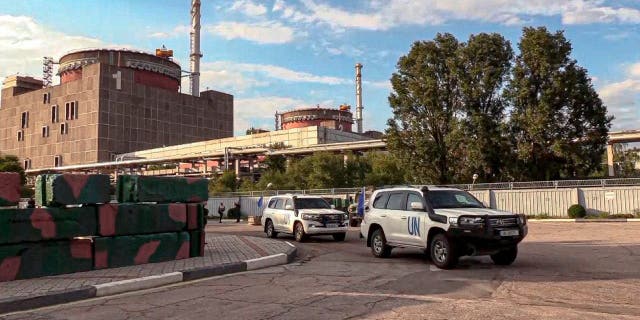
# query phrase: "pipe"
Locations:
[[195, 48], [359, 96]]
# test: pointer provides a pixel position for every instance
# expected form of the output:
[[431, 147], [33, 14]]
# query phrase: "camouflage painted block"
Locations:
[[131, 218], [161, 189], [48, 258], [197, 243], [9, 189], [111, 252], [24, 225], [195, 216], [65, 189]]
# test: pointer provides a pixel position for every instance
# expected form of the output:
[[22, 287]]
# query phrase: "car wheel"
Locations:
[[270, 230], [505, 257], [379, 246], [339, 236], [299, 232], [443, 254]]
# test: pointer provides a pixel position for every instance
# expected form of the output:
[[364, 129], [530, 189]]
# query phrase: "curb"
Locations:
[[586, 220], [111, 288]]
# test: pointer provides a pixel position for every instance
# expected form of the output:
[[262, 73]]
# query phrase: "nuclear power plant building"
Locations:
[[108, 102]]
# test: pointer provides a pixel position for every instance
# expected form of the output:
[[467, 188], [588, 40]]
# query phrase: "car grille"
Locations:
[[503, 222], [332, 218]]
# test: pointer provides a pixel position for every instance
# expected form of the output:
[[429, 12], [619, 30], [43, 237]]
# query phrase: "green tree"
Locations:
[[275, 163], [9, 163], [484, 65], [226, 182], [558, 125], [625, 160], [424, 102], [385, 170]]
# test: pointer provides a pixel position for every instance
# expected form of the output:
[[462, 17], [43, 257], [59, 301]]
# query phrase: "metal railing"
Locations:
[[616, 182]]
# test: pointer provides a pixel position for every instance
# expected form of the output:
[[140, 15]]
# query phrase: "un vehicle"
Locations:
[[447, 223]]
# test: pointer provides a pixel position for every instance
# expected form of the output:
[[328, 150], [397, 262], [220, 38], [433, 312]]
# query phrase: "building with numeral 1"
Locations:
[[108, 102]]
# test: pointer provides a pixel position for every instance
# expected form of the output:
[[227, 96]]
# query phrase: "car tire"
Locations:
[[298, 232], [442, 252], [270, 229], [339, 236], [505, 257], [379, 246]]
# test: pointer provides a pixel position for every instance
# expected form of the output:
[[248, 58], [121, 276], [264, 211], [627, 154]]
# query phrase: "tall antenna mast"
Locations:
[[195, 48], [47, 72], [359, 96]]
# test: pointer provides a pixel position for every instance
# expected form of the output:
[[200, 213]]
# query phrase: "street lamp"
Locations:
[[475, 177]]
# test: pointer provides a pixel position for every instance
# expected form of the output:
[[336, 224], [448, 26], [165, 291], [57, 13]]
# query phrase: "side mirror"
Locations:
[[333, 206], [288, 207], [417, 206]]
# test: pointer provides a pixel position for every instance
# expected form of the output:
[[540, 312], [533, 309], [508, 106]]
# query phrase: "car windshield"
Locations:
[[441, 199], [311, 203]]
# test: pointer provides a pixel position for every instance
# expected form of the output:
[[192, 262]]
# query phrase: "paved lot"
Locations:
[[564, 271], [220, 248]]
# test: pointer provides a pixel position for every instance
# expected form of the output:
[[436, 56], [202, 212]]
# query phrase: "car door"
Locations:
[[415, 220], [278, 213], [396, 217], [287, 215]]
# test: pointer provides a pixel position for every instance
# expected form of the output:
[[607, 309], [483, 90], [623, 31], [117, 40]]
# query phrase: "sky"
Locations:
[[283, 54]]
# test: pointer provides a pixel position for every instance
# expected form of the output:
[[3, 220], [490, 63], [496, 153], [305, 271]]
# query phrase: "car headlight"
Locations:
[[471, 220], [313, 217], [523, 219], [453, 221], [346, 216]]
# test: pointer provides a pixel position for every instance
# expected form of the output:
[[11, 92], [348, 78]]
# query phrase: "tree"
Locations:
[[625, 160], [275, 163], [9, 163], [424, 102], [484, 65], [385, 170], [558, 123], [227, 182]]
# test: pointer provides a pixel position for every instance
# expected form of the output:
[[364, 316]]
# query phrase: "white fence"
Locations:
[[555, 202]]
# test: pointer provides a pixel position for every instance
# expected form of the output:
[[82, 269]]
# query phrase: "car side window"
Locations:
[[280, 204], [413, 197], [288, 203], [272, 203], [380, 201], [397, 201]]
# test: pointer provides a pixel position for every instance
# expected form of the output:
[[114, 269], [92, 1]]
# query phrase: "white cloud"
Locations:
[[621, 99], [260, 32], [249, 8], [175, 32], [260, 111], [383, 15], [275, 72], [24, 42]]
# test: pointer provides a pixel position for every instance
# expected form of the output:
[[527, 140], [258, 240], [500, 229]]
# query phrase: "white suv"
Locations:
[[303, 216], [447, 223]]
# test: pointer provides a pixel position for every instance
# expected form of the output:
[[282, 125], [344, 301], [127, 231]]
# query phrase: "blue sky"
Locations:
[[280, 54]]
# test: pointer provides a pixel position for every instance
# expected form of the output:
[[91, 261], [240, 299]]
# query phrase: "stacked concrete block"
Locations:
[[9, 189], [111, 252], [69, 189], [131, 188], [132, 218], [38, 259], [42, 224]]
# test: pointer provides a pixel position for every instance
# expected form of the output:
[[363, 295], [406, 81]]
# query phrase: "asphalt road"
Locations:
[[564, 271]]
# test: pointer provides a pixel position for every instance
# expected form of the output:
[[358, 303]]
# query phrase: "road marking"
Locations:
[[434, 268], [289, 243]]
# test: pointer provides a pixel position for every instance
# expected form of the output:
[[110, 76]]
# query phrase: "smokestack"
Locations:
[[359, 96], [195, 48]]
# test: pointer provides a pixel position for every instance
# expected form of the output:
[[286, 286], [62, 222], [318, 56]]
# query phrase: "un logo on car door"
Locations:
[[413, 226]]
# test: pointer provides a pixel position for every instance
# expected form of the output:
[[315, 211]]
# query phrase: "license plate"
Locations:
[[332, 225], [508, 233]]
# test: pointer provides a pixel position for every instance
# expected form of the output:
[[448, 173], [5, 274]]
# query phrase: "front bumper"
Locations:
[[317, 228], [486, 239]]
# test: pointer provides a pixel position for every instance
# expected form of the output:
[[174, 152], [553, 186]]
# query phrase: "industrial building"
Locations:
[[108, 102]]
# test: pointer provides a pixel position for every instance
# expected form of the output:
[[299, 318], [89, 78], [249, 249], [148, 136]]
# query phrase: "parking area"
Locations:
[[563, 271]]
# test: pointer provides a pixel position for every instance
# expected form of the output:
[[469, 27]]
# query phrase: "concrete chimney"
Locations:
[[359, 96], [195, 48]]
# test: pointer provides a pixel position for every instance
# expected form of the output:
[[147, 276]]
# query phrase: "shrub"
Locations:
[[577, 211]]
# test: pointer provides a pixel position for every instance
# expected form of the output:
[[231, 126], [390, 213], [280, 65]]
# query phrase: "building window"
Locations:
[[27, 164], [67, 110], [71, 110], [45, 131], [64, 128], [20, 135], [24, 120], [46, 98], [54, 113], [57, 161]]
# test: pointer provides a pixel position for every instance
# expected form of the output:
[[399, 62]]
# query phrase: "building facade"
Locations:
[[337, 119], [108, 102]]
